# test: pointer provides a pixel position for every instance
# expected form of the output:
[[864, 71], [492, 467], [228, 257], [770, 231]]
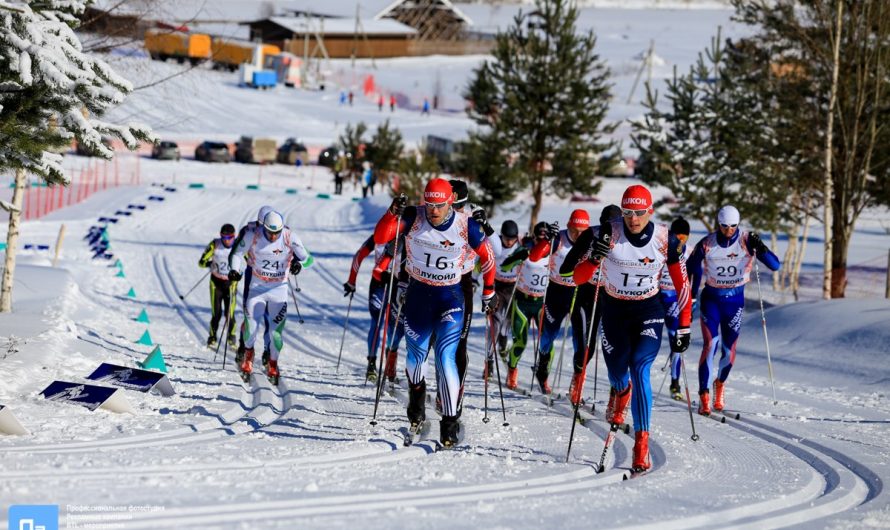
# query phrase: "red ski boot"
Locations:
[[247, 364], [704, 403], [512, 378], [718, 395], [575, 388], [617, 406], [641, 461], [392, 358], [272, 372]]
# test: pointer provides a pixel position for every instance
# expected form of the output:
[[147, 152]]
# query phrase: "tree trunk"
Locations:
[[538, 195], [839, 249], [12, 241], [802, 250], [828, 282]]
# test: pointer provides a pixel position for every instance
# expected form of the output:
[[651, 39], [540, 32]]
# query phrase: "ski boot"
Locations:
[[392, 358], [371, 372], [233, 342], [266, 358], [417, 403], [718, 395], [704, 403], [502, 347], [512, 378], [542, 373], [246, 365], [641, 461], [449, 428], [489, 369], [211, 341], [575, 388], [239, 354], [617, 406], [676, 395], [272, 372], [439, 406]]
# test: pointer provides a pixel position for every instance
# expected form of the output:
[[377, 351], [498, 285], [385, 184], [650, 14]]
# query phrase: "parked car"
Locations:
[[619, 167], [165, 151], [250, 150], [291, 151], [81, 150], [328, 157], [213, 152]]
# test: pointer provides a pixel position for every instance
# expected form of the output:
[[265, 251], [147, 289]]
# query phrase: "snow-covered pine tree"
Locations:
[[51, 93], [545, 94]]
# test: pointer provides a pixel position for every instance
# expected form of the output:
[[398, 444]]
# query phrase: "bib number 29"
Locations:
[[730, 271]]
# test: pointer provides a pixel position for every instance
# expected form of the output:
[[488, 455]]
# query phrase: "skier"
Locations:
[[222, 291], [341, 166], [531, 284], [239, 355], [560, 290], [680, 228], [367, 179], [725, 258], [504, 281], [272, 250], [581, 317], [435, 235], [376, 302], [632, 260]]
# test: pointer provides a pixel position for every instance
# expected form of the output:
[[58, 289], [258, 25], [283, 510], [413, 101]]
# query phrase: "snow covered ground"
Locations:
[[221, 454]]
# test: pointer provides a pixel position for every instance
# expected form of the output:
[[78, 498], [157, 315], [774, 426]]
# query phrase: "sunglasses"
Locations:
[[227, 237], [632, 213], [728, 226], [436, 205]]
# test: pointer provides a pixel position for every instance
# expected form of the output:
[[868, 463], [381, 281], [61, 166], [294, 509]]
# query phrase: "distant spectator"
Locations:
[[367, 178], [426, 107], [342, 97], [340, 167], [436, 102], [392, 102], [380, 102], [351, 96]]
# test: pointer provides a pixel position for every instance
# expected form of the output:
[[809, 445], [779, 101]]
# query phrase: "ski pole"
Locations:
[[613, 430], [225, 339], [296, 304], [182, 296], [501, 390], [769, 361], [345, 323], [392, 277], [664, 370], [688, 400], [379, 321], [565, 335], [485, 374], [596, 296], [540, 323]]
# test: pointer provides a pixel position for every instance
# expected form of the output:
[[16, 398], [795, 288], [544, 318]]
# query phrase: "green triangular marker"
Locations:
[[120, 274], [104, 237], [131, 293], [143, 317], [119, 263], [145, 339], [155, 361]]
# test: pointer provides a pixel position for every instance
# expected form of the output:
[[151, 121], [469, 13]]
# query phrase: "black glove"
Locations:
[[402, 293], [398, 205], [552, 231], [521, 254], [756, 243], [481, 217], [204, 263], [489, 302], [295, 266], [348, 289], [234, 275], [681, 341], [600, 248]]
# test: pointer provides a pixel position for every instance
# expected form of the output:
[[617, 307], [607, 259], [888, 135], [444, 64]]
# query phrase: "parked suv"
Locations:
[[250, 150], [291, 151], [212, 152], [165, 151], [328, 157]]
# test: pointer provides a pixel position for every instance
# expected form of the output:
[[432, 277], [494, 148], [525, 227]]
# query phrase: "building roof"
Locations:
[[446, 4], [343, 26]]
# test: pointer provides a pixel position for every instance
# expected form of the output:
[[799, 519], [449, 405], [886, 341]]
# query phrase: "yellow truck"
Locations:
[[232, 54], [164, 44]]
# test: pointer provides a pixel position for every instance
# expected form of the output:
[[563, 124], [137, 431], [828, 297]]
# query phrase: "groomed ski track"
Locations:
[[222, 454]]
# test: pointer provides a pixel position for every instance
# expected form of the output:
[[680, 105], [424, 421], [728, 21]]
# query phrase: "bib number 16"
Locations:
[[441, 262]]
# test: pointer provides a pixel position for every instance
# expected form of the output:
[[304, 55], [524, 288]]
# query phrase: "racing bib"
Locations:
[[219, 263], [633, 273], [270, 260], [436, 257], [558, 257], [729, 267], [533, 277]]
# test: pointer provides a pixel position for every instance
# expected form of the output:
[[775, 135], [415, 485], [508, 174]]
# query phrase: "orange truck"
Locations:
[[165, 44], [232, 54]]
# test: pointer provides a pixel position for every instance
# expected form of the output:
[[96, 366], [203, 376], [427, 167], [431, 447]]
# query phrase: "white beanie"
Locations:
[[262, 213], [728, 215]]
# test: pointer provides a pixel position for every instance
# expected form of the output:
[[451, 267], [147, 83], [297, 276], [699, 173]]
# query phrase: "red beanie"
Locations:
[[438, 191], [579, 219], [636, 197]]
